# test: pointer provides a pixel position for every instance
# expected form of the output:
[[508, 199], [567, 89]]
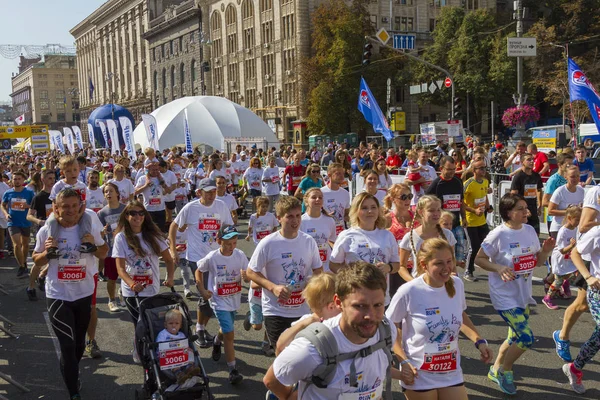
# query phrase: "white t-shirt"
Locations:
[[563, 198], [588, 245], [297, 362], [70, 277], [271, 188], [224, 278], [282, 261], [379, 195], [516, 249], [253, 178], [94, 199], [203, 225], [562, 263], [239, 167], [181, 194], [153, 195], [336, 202], [60, 185], [374, 246], [224, 172], [170, 180], [181, 242], [429, 174], [384, 182], [322, 229], [405, 244], [229, 200], [141, 269], [262, 226], [126, 189], [430, 322]]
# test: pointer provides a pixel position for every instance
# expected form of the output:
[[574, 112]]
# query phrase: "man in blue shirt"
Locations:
[[586, 166], [15, 205]]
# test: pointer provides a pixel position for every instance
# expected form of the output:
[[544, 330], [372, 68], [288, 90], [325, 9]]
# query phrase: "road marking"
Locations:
[[54, 338]]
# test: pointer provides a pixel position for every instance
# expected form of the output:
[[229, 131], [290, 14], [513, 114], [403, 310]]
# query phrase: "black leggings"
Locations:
[[70, 320], [477, 235]]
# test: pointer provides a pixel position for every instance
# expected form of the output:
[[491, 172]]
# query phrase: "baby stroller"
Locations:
[[150, 323]]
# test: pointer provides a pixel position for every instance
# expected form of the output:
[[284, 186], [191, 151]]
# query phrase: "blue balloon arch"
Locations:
[[109, 111]]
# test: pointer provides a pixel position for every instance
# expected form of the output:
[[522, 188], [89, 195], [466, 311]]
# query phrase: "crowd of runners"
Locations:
[[351, 291]]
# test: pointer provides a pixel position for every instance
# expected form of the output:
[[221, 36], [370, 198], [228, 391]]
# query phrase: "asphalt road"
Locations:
[[32, 358]]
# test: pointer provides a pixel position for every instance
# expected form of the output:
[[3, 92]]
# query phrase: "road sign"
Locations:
[[522, 47], [399, 121], [448, 82], [37, 133], [404, 42], [383, 36]]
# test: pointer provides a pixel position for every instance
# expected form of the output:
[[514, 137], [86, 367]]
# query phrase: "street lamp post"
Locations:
[[109, 78]]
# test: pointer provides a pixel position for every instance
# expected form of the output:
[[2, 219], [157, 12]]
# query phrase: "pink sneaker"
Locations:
[[548, 303], [566, 287]]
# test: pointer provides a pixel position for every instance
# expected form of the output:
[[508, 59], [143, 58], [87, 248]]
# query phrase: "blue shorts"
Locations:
[[226, 319], [256, 315]]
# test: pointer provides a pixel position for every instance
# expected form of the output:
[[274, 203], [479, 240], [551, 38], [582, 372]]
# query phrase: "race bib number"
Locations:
[[323, 252], [82, 194], [440, 362], [18, 204], [209, 224], [262, 234], [372, 394], [451, 202], [179, 197], [295, 300], [296, 180], [96, 209], [229, 288], [530, 191], [154, 201], [257, 293], [255, 184], [339, 229], [274, 179], [479, 203], [523, 264], [173, 354], [73, 273], [181, 247], [143, 279]]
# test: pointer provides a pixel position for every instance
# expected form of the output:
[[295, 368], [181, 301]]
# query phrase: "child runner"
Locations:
[[446, 220], [318, 224], [225, 267], [262, 223], [562, 265]]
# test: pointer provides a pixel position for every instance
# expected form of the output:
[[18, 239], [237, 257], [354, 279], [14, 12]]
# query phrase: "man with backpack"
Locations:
[[349, 353]]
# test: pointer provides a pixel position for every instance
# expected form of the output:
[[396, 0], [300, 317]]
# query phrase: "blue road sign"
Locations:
[[404, 42]]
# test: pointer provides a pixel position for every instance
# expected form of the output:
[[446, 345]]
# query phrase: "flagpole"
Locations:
[[574, 132]]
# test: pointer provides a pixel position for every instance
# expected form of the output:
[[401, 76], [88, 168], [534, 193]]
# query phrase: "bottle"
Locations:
[[289, 287]]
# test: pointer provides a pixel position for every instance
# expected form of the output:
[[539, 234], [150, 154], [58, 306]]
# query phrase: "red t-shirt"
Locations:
[[294, 176], [538, 163], [393, 161]]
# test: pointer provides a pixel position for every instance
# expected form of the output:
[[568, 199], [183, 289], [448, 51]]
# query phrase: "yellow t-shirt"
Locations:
[[475, 196]]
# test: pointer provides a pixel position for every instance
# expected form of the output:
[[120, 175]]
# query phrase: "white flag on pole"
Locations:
[[128, 136], [56, 139], [114, 135], [151, 130], [104, 134], [20, 119], [91, 136], [70, 142], [186, 130], [78, 137]]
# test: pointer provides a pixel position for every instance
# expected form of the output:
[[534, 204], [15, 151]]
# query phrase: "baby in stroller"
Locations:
[[173, 352]]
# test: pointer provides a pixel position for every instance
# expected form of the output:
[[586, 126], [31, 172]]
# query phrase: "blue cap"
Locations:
[[227, 232]]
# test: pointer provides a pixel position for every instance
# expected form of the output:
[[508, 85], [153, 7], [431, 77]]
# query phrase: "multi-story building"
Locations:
[[113, 58], [47, 92]]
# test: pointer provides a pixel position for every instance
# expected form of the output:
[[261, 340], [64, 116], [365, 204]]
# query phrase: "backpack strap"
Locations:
[[321, 337]]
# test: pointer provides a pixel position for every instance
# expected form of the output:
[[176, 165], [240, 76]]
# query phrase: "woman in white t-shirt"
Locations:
[[253, 178], [385, 181], [367, 239], [427, 213], [429, 312], [271, 183], [137, 247], [570, 194], [371, 179], [510, 253], [318, 224]]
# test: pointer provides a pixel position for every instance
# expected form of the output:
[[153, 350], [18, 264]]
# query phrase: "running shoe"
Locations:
[[31, 295], [566, 287], [216, 352], [563, 347], [575, 376], [548, 282], [52, 253], [102, 277], [205, 340], [267, 349], [270, 396], [41, 282], [235, 377], [247, 324], [121, 300], [87, 248], [549, 303], [92, 349], [113, 306], [187, 293], [22, 273], [468, 276], [504, 380]]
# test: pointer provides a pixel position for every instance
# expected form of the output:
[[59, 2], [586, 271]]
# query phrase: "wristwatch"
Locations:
[[480, 342]]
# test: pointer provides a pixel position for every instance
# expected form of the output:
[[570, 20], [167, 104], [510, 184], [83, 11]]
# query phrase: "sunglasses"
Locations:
[[136, 213], [406, 196]]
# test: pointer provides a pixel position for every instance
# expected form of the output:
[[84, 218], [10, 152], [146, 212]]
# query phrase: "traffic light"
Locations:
[[457, 108], [366, 59]]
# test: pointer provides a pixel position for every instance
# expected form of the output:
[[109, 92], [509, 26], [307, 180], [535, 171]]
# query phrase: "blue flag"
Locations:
[[368, 106], [580, 88]]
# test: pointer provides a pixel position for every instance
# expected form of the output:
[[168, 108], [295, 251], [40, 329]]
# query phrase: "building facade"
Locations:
[[113, 58], [47, 92]]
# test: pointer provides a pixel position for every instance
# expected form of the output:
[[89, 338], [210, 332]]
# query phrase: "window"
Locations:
[[182, 74], [266, 5], [154, 54], [193, 71], [43, 94], [171, 52], [172, 76], [155, 80], [410, 25], [60, 94], [215, 24], [164, 79], [431, 25], [180, 44], [61, 117], [247, 9], [162, 51], [46, 118], [267, 32], [44, 104], [373, 19]]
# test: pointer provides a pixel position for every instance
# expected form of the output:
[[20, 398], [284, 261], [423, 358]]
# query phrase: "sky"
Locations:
[[39, 22]]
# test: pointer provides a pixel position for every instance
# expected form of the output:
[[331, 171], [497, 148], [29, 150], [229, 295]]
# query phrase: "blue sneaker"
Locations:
[[563, 347], [493, 375], [270, 396], [506, 382]]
